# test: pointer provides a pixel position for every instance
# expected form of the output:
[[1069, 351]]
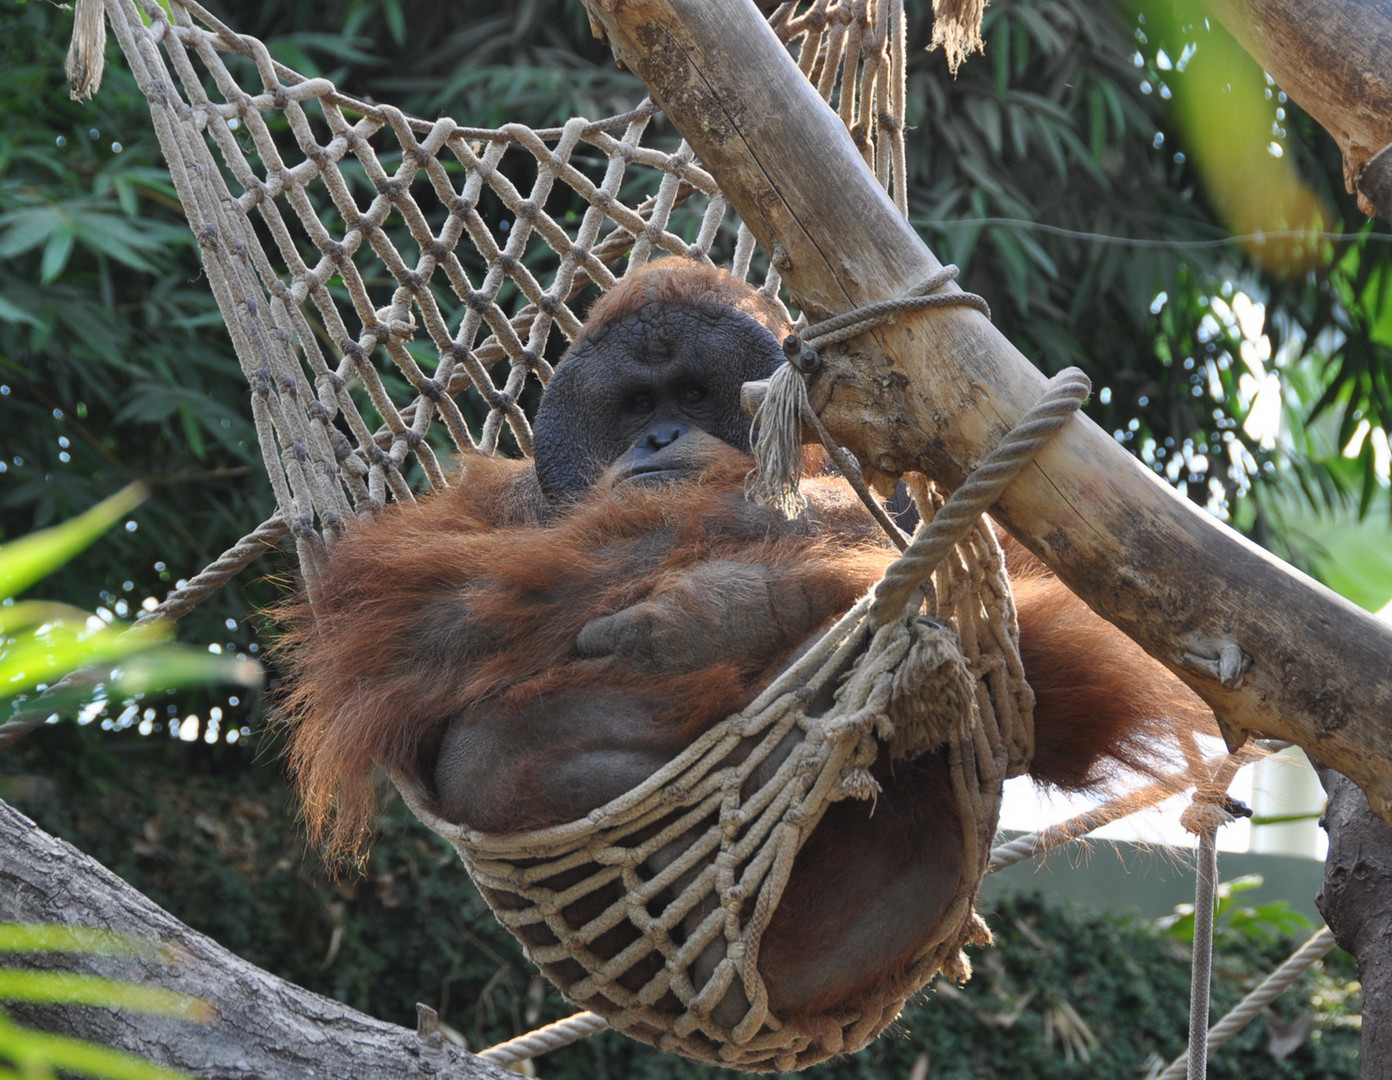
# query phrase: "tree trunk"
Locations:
[[1272, 651], [1331, 57], [1356, 901], [262, 1026]]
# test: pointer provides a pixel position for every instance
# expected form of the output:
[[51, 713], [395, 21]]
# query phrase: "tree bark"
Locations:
[[1356, 902], [263, 1026], [1330, 56], [1272, 651]]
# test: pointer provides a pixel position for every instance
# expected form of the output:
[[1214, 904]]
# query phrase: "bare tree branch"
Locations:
[[263, 1026]]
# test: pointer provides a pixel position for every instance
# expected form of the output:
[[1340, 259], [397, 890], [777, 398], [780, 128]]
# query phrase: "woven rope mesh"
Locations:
[[396, 287], [397, 290], [650, 910]]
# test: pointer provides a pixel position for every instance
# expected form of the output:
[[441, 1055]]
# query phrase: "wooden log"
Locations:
[[257, 1025], [1272, 651]]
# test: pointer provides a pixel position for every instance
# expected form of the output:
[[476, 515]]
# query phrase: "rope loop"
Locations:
[[777, 426], [1065, 393], [922, 296]]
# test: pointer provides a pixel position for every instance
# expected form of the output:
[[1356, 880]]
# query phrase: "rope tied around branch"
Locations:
[[778, 423], [778, 440]]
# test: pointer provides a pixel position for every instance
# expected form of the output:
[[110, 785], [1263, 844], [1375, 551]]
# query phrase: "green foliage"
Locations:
[[114, 366], [1234, 922], [41, 641]]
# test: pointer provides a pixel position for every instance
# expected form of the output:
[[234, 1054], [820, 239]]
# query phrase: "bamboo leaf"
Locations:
[[26, 560], [37, 1049], [72, 988]]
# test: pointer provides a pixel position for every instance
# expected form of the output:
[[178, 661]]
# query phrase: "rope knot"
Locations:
[[777, 440], [1207, 812]]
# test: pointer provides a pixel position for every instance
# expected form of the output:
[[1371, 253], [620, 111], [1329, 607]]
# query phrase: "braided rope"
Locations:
[[1207, 813], [219, 572], [1201, 965], [1065, 393], [1241, 1014], [545, 1039]]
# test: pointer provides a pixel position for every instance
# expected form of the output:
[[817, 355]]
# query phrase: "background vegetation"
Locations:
[[1055, 170]]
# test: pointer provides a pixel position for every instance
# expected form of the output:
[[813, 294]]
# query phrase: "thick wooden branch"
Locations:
[[263, 1026], [1272, 651], [1330, 56], [1356, 901]]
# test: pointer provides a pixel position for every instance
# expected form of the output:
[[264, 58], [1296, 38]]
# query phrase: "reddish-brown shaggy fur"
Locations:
[[465, 597], [460, 617]]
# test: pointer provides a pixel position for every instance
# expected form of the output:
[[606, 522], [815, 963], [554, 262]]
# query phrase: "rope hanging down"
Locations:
[[778, 424]]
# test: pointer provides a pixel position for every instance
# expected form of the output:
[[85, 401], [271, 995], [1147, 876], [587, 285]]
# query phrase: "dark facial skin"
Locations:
[[632, 393]]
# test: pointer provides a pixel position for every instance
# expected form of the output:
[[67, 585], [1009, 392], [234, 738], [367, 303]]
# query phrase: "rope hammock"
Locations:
[[393, 290]]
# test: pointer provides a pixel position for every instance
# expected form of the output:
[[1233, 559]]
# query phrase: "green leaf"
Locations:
[[50, 937], [30, 1049], [36, 658], [30, 613], [12, 312], [26, 560], [396, 20], [112, 235], [180, 666], [28, 228], [71, 988], [56, 252]]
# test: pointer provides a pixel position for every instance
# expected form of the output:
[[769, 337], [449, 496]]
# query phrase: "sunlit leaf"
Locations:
[[52, 937], [181, 666], [28, 1048], [71, 988], [26, 560], [33, 659]]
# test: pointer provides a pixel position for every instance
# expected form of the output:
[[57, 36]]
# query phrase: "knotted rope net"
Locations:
[[649, 911], [394, 286]]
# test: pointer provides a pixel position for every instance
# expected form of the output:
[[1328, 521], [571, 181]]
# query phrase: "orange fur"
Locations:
[[682, 281], [483, 608], [462, 613], [1102, 705]]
